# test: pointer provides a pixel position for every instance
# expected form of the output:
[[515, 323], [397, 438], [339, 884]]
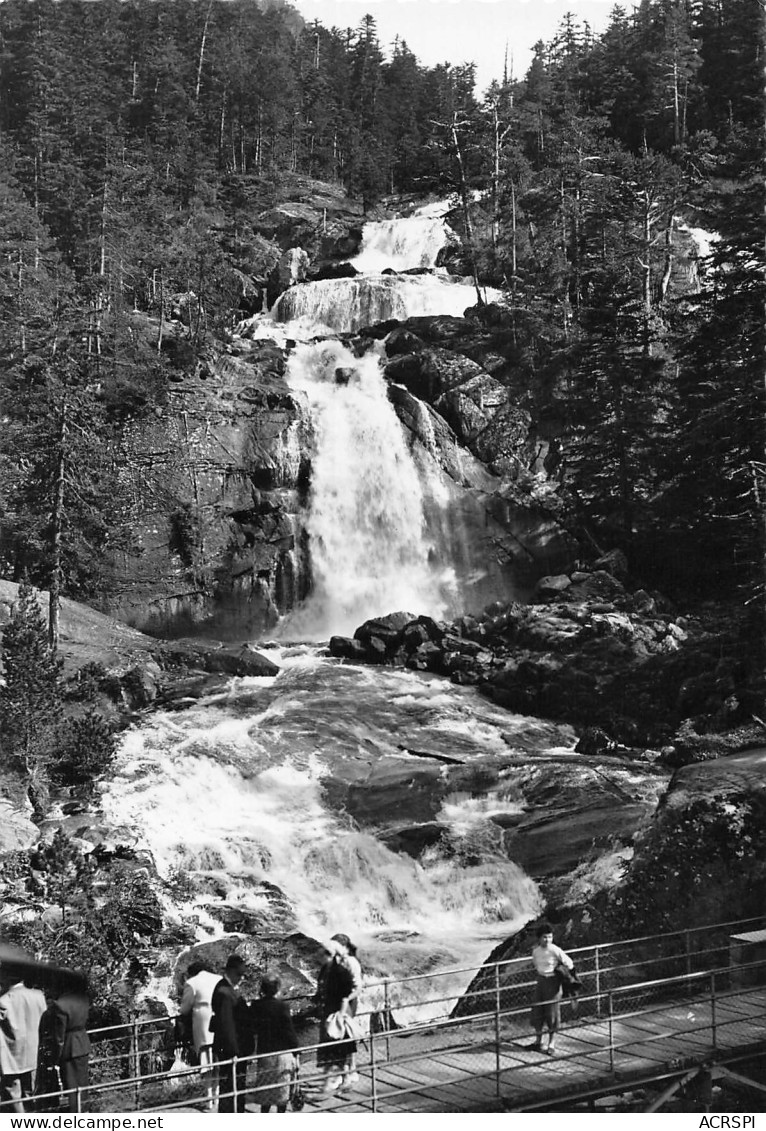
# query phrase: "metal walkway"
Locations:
[[654, 1011], [469, 1069]]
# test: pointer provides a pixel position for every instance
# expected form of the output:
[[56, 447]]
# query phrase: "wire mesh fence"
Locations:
[[418, 1036]]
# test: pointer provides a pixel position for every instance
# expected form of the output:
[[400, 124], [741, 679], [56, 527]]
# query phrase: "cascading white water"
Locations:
[[344, 306], [416, 243], [237, 791], [369, 544], [381, 537], [233, 791]]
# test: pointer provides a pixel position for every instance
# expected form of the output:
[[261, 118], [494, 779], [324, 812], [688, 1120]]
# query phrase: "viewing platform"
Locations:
[[659, 1013]]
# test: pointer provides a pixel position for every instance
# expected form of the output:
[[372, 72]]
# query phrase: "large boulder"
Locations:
[[212, 656], [388, 629]]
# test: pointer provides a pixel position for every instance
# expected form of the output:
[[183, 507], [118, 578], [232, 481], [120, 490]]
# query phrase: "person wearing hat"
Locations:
[[232, 1034], [338, 988]]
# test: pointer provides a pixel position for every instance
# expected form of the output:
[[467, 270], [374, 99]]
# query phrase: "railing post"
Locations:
[[386, 1017], [135, 1062], [611, 1031], [78, 1099], [688, 962], [373, 1072], [234, 1096], [497, 1028], [597, 968], [712, 1010]]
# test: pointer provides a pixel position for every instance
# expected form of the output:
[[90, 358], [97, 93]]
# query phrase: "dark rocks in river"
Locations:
[[213, 656], [333, 271], [586, 652]]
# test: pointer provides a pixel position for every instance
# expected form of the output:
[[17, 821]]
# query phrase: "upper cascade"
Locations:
[[344, 306], [405, 244], [411, 243]]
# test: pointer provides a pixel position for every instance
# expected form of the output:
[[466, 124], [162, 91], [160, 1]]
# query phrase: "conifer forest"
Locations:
[[137, 137], [607, 215]]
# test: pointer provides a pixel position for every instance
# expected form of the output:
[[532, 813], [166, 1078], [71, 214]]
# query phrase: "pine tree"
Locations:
[[30, 697]]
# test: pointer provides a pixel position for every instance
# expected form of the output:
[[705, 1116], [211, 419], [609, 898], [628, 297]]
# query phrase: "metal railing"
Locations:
[[143, 1045], [130, 1062], [701, 1014]]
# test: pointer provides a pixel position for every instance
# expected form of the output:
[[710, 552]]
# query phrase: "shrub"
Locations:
[[86, 749]]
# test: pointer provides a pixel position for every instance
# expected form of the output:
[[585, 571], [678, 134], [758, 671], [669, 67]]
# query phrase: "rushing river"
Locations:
[[303, 782], [254, 788]]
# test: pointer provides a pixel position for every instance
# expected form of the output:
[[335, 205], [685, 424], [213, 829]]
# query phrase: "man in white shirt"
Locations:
[[546, 1011], [20, 1011]]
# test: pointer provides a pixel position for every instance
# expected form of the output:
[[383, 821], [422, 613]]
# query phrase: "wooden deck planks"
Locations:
[[582, 1062]]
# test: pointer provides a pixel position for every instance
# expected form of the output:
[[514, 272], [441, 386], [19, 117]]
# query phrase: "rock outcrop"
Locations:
[[218, 476], [589, 652]]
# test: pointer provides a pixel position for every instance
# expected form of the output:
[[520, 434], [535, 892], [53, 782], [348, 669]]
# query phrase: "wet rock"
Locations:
[[388, 629], [594, 740], [343, 647], [334, 271], [376, 650], [414, 636], [402, 341], [452, 643], [426, 657], [551, 586], [413, 839], [181, 691], [555, 843], [212, 656], [598, 585]]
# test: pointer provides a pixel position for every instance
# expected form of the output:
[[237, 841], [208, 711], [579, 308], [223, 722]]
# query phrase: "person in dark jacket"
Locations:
[[232, 1034], [274, 1030], [340, 980], [69, 1034]]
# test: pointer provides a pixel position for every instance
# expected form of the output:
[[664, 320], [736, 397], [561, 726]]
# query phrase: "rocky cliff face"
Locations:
[[218, 478]]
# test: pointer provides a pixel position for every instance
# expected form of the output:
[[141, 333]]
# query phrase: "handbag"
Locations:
[[342, 1027], [178, 1066]]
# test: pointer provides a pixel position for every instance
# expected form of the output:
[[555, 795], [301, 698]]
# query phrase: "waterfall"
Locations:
[[387, 530], [344, 306], [369, 544], [404, 245], [286, 797]]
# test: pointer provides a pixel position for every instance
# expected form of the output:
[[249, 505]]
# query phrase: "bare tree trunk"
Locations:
[[466, 211], [202, 52], [162, 313], [668, 266], [57, 517]]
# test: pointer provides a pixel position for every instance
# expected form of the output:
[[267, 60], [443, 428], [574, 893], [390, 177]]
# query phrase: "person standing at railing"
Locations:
[[546, 1011], [21, 1009], [196, 1003], [275, 1067], [340, 980], [232, 1034], [70, 1040]]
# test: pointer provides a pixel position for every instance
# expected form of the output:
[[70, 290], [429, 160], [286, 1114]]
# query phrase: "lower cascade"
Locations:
[[267, 787]]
